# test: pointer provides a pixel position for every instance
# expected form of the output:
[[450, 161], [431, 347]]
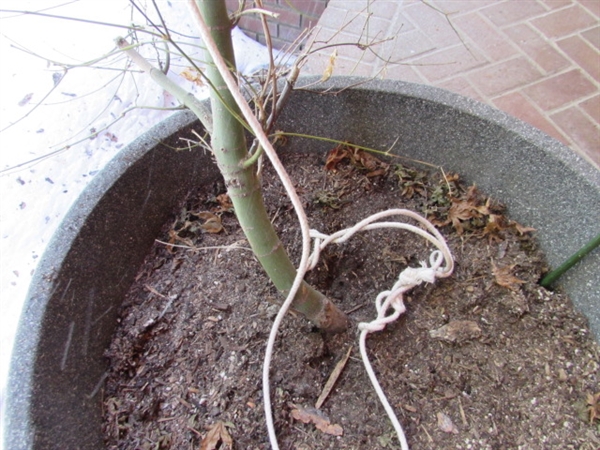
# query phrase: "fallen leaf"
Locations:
[[465, 209], [316, 417], [520, 228], [335, 156], [360, 159], [593, 406], [411, 181], [217, 438], [174, 238], [457, 331], [469, 209], [212, 223], [504, 278], [445, 424], [225, 204], [335, 374]]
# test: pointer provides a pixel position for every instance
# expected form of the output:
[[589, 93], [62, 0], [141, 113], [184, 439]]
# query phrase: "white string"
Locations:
[[408, 278], [393, 298]]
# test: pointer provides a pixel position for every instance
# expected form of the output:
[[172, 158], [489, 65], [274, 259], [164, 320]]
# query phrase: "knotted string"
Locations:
[[408, 278]]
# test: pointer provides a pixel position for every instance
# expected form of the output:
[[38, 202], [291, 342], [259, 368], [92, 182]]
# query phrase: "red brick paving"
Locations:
[[485, 36], [560, 90], [563, 22], [538, 60], [500, 77], [537, 48], [592, 107], [593, 36], [503, 14], [447, 62], [578, 126], [581, 53]]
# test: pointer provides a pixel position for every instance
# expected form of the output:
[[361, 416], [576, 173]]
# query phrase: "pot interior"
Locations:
[[58, 366]]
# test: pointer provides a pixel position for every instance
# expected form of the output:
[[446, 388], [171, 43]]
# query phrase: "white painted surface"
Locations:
[[34, 196]]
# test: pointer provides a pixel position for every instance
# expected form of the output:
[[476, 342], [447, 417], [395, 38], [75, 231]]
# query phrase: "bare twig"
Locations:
[[335, 374]]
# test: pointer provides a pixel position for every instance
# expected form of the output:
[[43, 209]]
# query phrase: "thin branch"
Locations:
[[34, 108], [447, 17], [79, 97], [67, 147], [165, 69], [200, 109], [272, 76], [93, 22]]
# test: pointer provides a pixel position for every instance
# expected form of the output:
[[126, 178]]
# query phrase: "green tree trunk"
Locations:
[[243, 185]]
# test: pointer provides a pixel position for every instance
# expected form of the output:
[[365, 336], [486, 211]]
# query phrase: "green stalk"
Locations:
[[556, 273], [243, 185], [186, 98]]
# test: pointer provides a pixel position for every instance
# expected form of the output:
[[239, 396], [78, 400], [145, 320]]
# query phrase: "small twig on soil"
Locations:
[[462, 413], [154, 291], [356, 308], [235, 245], [196, 432], [337, 371], [428, 435]]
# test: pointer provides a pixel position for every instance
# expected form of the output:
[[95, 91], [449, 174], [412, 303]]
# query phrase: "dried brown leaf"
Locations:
[[464, 209], [224, 203], [504, 277], [212, 223], [470, 208], [593, 406], [217, 438], [496, 223], [330, 64], [335, 156], [360, 159], [174, 238], [316, 417], [192, 75], [457, 331], [522, 229]]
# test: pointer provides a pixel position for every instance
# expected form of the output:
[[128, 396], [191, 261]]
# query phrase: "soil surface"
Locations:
[[485, 359]]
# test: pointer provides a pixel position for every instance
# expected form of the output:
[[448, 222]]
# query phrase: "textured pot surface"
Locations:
[[58, 365]]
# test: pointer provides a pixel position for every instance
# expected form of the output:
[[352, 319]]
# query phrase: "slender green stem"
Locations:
[[254, 157], [574, 259], [200, 109], [360, 147]]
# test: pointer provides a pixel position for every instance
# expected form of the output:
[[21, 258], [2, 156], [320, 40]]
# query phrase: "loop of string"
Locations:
[[392, 299]]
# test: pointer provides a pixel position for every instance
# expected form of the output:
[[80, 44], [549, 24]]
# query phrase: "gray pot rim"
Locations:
[[560, 162]]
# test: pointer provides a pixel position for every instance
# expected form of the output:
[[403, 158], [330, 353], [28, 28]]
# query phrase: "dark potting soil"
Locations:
[[485, 359]]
